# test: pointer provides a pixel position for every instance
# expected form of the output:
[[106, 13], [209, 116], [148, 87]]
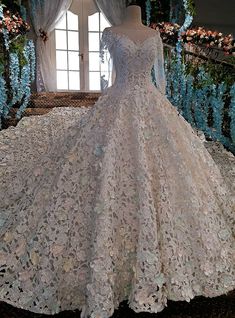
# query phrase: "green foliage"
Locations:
[[220, 73], [191, 7], [2, 56], [17, 41], [17, 46], [2, 66], [217, 72], [230, 60]]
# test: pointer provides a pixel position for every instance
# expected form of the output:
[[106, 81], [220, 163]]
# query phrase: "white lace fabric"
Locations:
[[121, 201], [132, 71]]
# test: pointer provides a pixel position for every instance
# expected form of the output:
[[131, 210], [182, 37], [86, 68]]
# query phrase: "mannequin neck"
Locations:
[[133, 16]]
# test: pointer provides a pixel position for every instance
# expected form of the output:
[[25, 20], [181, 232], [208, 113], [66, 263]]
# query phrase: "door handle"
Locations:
[[82, 56]]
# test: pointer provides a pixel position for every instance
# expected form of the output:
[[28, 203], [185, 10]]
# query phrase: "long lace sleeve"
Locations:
[[106, 61], [159, 71]]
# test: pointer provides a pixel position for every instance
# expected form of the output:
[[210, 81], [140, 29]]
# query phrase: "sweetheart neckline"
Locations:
[[139, 43]]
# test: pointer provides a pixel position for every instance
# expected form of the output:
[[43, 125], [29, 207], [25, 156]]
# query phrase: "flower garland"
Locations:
[[201, 101], [168, 31], [196, 36], [217, 105], [18, 63], [14, 72], [1, 11], [13, 23], [187, 99], [187, 22], [200, 36], [20, 84], [3, 96], [27, 74], [6, 39], [148, 12], [198, 97]]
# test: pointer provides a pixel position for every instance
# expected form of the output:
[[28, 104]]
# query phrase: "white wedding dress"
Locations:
[[118, 202]]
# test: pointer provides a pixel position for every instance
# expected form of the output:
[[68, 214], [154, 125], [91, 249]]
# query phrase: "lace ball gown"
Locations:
[[118, 202]]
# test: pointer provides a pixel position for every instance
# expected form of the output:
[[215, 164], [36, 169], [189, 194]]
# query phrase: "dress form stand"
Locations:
[[132, 25]]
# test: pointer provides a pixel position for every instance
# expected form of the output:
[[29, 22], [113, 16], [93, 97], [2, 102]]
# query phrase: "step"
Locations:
[[42, 103], [50, 100]]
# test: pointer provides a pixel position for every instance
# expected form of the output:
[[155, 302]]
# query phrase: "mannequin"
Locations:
[[132, 25]]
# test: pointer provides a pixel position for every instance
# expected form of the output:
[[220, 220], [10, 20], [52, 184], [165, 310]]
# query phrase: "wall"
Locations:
[[216, 14]]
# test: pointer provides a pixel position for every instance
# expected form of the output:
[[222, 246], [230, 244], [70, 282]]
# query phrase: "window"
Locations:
[[77, 39], [68, 53], [96, 24]]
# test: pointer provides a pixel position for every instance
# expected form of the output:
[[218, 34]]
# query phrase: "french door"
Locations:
[[77, 47]]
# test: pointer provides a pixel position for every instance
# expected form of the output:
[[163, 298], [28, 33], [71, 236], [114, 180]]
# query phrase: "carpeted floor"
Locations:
[[199, 307]]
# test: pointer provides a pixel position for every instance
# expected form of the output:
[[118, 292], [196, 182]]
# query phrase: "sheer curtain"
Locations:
[[112, 9], [44, 16]]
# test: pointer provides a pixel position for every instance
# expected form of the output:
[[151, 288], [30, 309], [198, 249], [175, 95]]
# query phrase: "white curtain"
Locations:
[[112, 9], [45, 15]]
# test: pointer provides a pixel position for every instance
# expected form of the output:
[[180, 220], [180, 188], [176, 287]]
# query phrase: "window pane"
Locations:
[[73, 40], [94, 81], [93, 22], [94, 42], [62, 80], [74, 60], [62, 23], [61, 40], [94, 62], [61, 60], [72, 21], [103, 22], [74, 80], [105, 66]]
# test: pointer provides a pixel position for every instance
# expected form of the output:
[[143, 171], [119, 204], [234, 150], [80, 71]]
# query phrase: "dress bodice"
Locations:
[[133, 61]]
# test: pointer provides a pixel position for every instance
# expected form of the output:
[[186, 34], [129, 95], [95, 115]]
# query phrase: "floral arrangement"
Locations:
[[201, 36], [168, 31], [13, 23], [13, 29], [17, 63], [197, 35]]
